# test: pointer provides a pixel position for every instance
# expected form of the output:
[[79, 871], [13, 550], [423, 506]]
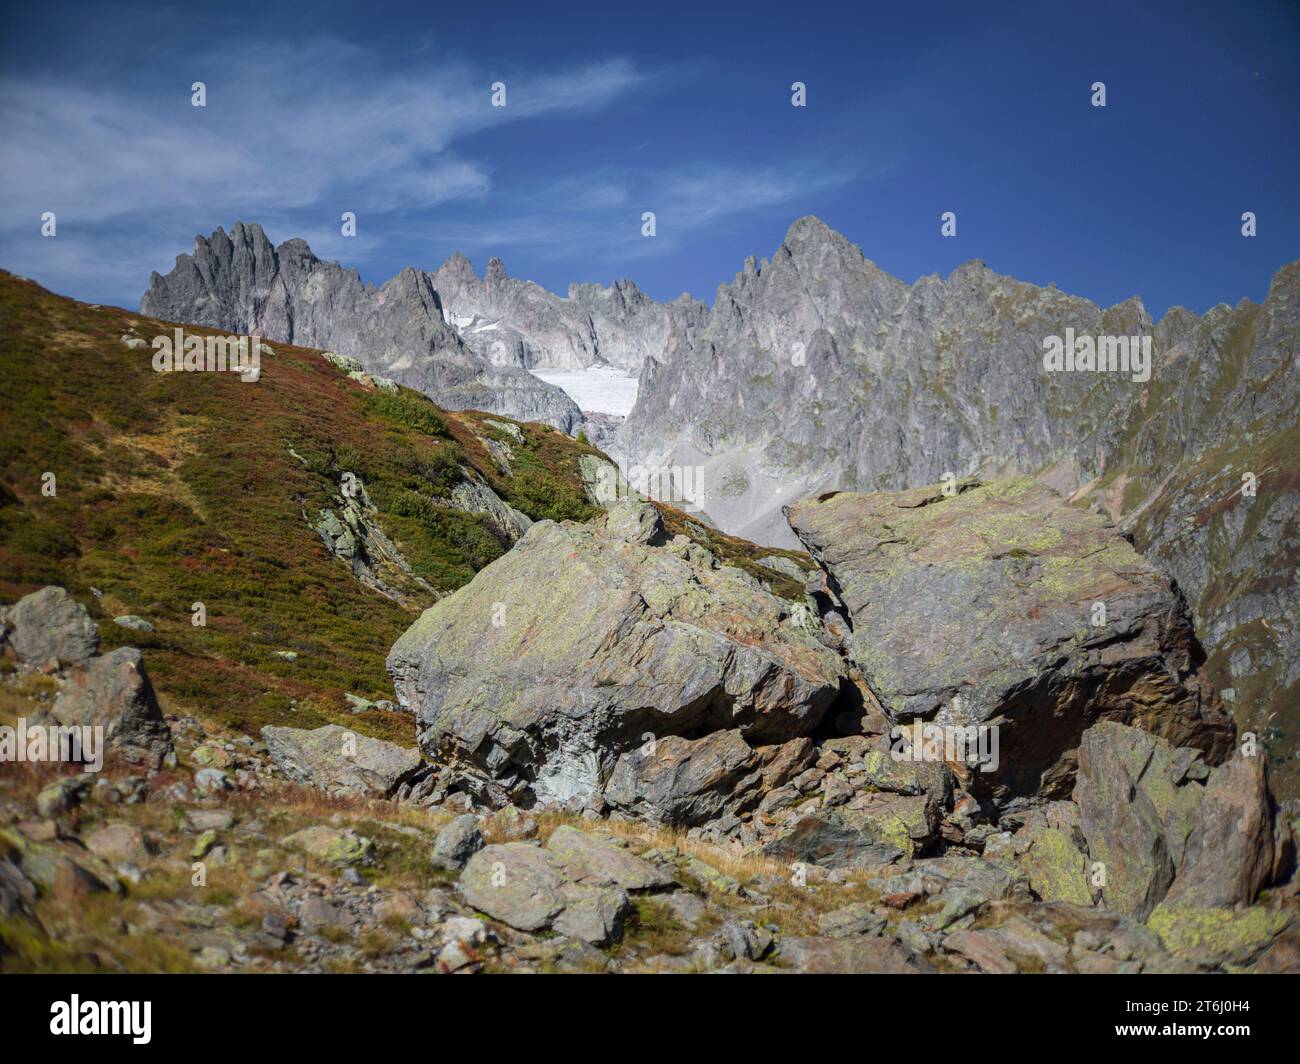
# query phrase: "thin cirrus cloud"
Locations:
[[120, 165], [291, 142], [133, 172], [598, 217]]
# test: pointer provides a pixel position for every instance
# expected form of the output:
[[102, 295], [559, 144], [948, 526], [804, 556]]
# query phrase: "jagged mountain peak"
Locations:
[[398, 331], [808, 228]]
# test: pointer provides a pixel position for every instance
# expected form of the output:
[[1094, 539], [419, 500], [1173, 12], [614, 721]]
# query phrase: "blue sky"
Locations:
[[684, 110]]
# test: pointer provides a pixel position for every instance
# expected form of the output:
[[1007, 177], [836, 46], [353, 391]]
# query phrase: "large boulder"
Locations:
[[1163, 828], [586, 642], [999, 605], [337, 761], [1229, 855], [49, 625], [114, 692]]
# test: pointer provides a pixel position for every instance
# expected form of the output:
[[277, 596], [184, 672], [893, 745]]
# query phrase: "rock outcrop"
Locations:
[[999, 606], [585, 643], [515, 322], [242, 283]]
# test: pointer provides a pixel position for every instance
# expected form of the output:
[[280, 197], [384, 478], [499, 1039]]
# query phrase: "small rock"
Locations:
[[203, 845], [457, 842], [854, 919], [59, 797], [118, 843], [334, 845], [212, 781]]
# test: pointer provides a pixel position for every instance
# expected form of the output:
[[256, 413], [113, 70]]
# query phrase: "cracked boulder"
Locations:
[[1163, 830], [114, 692], [338, 761], [585, 643], [999, 605]]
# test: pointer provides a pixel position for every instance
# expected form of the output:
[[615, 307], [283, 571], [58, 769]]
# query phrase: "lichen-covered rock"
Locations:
[[62, 795], [113, 691], [341, 846], [354, 536], [66, 869], [1056, 868], [580, 646], [1124, 830], [49, 625], [337, 761], [587, 859], [1164, 830], [979, 607], [1215, 936], [1229, 851], [473, 496]]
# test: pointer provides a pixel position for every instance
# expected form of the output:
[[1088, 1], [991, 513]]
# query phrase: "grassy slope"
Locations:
[[193, 487], [181, 488]]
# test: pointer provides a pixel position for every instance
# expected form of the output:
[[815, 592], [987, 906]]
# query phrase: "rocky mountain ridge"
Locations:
[[242, 283], [516, 322]]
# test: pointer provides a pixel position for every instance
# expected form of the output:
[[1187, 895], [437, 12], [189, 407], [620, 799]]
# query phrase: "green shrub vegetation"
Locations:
[[179, 488]]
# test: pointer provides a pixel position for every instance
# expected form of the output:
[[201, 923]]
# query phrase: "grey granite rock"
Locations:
[[114, 692], [242, 283], [338, 761], [978, 609], [49, 625], [578, 647]]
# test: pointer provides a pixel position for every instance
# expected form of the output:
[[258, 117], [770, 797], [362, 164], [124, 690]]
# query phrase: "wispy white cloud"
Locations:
[[601, 213], [277, 143], [332, 125], [133, 174]]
